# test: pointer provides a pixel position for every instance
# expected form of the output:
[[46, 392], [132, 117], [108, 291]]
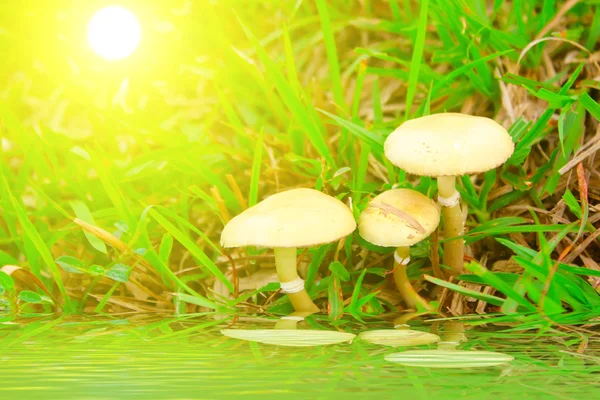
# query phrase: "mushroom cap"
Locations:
[[398, 217], [294, 218], [398, 337], [449, 144], [449, 358], [290, 337]]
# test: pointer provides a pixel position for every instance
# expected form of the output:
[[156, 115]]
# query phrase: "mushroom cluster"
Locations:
[[445, 146]]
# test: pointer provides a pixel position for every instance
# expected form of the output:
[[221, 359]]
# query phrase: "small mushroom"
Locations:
[[400, 218], [445, 146], [286, 221]]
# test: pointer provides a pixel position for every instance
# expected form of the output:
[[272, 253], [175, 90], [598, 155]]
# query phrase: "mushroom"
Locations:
[[400, 218], [286, 221], [445, 146], [286, 334]]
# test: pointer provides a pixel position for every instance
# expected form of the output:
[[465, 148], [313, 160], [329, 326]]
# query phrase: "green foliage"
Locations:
[[28, 296], [82, 212], [117, 272], [7, 286], [157, 152]]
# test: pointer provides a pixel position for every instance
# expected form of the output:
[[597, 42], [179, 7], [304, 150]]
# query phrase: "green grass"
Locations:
[[227, 103]]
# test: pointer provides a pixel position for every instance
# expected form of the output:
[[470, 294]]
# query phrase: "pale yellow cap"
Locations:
[[448, 144], [294, 218], [398, 217]]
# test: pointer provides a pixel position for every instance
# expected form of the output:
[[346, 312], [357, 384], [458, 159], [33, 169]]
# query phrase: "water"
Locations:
[[167, 358]]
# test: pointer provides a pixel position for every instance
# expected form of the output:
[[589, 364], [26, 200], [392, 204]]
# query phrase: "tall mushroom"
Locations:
[[445, 146], [400, 218], [286, 221]]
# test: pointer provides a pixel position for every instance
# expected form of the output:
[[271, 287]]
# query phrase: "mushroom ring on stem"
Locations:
[[445, 146], [286, 221], [400, 218]]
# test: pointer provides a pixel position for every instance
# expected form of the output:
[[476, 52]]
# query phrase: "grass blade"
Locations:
[[372, 139], [192, 247], [331, 49], [499, 285], [83, 213], [290, 99], [255, 177], [154, 259], [496, 301], [31, 233], [417, 56]]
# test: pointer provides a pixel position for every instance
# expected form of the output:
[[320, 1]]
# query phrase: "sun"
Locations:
[[114, 33]]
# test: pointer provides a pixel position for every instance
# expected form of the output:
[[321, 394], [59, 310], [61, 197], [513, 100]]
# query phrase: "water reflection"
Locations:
[[285, 333], [402, 335], [447, 354], [161, 357]]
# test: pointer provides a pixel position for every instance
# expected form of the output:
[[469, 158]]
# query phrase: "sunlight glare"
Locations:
[[114, 33]]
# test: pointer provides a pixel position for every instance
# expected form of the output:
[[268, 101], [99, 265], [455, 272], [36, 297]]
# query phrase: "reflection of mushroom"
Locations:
[[400, 218], [291, 321], [286, 334], [453, 335], [447, 355], [449, 358], [449, 145], [398, 337], [402, 335], [285, 221]]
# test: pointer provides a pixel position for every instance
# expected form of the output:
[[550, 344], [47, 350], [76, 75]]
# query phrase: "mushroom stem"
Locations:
[[408, 293], [453, 226], [285, 261]]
